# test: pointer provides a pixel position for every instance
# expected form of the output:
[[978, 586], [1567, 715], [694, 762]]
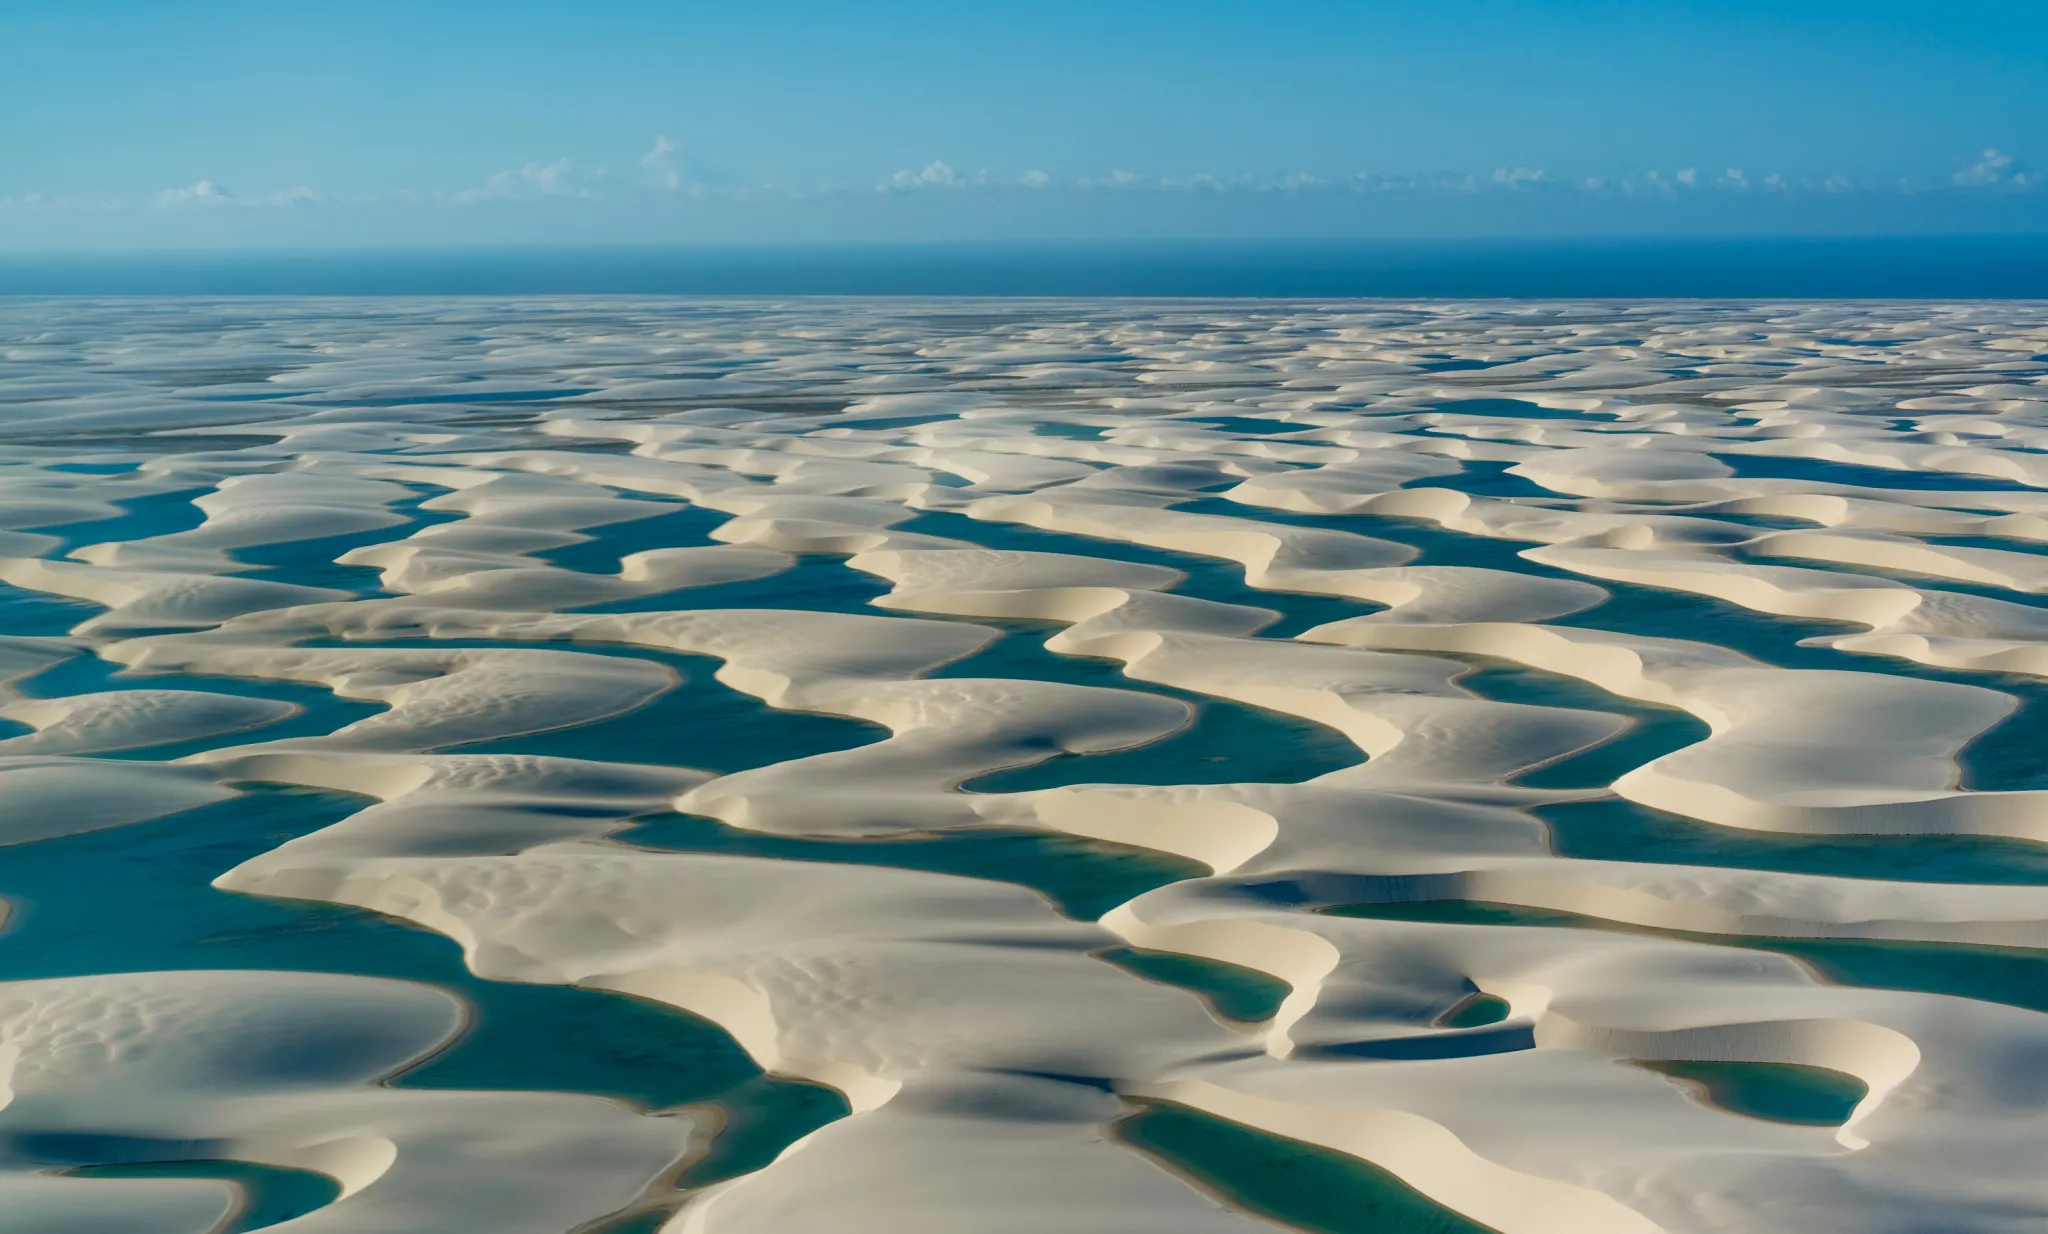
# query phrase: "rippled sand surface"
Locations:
[[752, 767]]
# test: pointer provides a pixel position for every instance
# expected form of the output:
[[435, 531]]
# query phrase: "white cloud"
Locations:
[[203, 192], [49, 202], [1992, 168], [935, 175], [664, 168], [533, 180], [660, 164], [283, 197]]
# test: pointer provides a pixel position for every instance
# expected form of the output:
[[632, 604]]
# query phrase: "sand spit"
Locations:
[[678, 652]]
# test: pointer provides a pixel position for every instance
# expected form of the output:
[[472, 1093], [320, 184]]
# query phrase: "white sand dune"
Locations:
[[1752, 521], [280, 1069]]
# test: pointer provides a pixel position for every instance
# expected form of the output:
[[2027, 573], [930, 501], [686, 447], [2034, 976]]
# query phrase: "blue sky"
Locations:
[[209, 123]]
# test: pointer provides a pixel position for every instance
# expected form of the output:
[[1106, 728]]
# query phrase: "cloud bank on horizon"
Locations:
[[224, 124]]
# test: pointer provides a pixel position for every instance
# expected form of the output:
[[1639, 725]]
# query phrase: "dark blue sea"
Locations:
[[1952, 267]]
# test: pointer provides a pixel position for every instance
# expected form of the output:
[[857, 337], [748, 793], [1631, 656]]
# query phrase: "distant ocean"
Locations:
[[2002, 267]]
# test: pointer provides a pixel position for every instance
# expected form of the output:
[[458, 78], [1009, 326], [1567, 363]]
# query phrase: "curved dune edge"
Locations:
[[194, 1056], [1426, 1157], [973, 1028], [1807, 751]]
